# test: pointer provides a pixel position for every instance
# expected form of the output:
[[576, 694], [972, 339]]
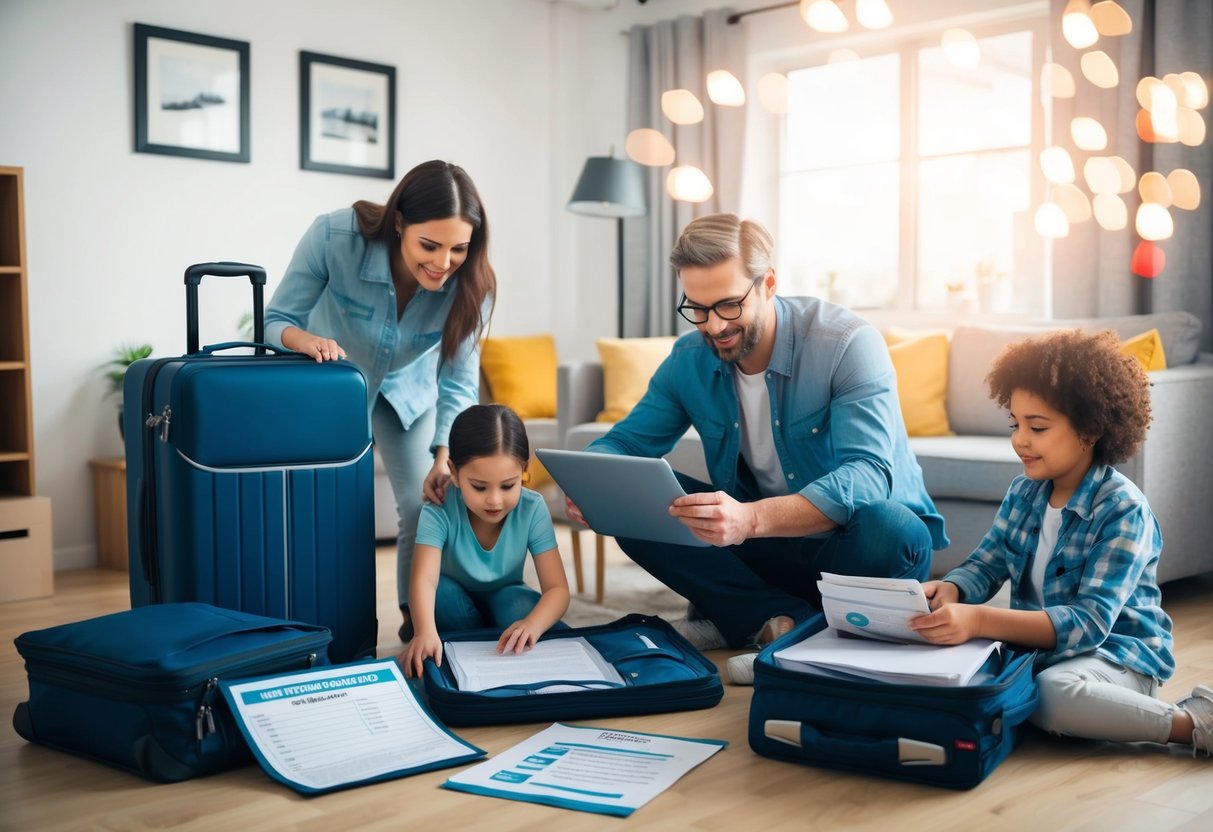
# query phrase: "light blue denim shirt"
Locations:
[[1100, 589], [339, 285], [835, 419]]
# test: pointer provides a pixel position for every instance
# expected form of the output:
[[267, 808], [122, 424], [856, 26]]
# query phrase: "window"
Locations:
[[906, 181]]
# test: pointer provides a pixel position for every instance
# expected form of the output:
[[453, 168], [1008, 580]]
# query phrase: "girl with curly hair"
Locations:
[[1080, 547]]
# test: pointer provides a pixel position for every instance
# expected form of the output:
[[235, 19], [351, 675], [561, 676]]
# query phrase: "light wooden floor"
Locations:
[[1047, 784]]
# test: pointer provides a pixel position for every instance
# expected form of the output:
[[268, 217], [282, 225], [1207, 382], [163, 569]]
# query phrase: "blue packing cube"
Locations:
[[661, 670], [138, 689], [942, 736]]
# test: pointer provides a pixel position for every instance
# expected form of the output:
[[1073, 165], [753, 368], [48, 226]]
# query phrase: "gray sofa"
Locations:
[[967, 474]]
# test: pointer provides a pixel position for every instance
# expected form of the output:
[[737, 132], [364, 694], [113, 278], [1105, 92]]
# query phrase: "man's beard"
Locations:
[[750, 336]]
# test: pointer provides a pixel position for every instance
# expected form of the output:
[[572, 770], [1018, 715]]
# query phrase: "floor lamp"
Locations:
[[611, 187]]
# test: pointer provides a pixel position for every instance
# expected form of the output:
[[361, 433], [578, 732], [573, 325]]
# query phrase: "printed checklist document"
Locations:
[[608, 771], [341, 726], [550, 666]]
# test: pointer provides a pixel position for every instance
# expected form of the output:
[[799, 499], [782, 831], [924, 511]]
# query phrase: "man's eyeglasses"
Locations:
[[726, 310]]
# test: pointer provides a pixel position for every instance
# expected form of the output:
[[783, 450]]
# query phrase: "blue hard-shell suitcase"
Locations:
[[942, 736], [661, 670], [250, 482], [139, 689]]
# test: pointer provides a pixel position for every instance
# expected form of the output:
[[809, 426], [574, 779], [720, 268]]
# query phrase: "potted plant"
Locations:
[[123, 357]]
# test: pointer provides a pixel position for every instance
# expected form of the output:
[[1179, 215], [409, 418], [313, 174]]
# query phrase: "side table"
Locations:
[[109, 506]]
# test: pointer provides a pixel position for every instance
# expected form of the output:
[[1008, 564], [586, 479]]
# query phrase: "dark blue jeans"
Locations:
[[738, 588], [457, 609]]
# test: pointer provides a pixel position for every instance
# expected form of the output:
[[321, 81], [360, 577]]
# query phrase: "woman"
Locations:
[[405, 291]]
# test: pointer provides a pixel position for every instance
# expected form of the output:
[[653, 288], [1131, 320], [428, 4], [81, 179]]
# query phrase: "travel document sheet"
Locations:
[[589, 769], [555, 665], [341, 726]]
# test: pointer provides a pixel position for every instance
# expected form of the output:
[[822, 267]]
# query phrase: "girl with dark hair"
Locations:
[[405, 290], [1079, 545], [471, 547]]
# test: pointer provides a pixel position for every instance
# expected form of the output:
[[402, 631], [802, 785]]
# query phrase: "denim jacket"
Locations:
[[835, 419], [1100, 589], [339, 285]]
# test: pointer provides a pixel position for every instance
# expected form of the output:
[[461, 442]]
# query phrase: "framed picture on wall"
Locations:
[[191, 94], [347, 116]]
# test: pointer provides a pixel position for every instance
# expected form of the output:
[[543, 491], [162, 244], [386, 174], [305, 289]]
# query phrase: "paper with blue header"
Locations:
[[599, 770], [341, 726]]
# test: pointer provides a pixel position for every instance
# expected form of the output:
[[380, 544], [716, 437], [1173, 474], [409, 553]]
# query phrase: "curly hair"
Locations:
[[1104, 393]]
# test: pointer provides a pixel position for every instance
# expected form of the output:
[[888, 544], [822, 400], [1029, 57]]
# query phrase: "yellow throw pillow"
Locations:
[[1146, 348], [627, 366], [921, 364], [521, 373]]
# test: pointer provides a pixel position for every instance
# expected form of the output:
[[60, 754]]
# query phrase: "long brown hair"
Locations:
[[437, 190]]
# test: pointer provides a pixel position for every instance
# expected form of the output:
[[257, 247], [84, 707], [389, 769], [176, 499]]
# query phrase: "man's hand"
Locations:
[[574, 513], [716, 518]]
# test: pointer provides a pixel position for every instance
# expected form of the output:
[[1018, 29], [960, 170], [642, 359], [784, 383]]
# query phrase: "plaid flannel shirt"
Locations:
[[1100, 589]]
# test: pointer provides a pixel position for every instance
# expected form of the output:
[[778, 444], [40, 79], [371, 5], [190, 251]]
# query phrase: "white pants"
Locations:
[[406, 459], [1095, 699]]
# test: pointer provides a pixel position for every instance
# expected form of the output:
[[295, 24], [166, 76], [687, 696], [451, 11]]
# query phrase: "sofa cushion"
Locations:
[[1146, 348], [1179, 331], [921, 364], [521, 372], [627, 366], [974, 348], [967, 467]]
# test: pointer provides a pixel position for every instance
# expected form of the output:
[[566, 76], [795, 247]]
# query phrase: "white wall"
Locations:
[[519, 92], [109, 231]]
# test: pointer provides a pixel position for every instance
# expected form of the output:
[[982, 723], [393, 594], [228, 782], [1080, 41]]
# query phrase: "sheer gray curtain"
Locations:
[[1091, 267], [678, 54]]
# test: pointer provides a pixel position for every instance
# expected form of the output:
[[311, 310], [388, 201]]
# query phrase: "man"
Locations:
[[795, 401]]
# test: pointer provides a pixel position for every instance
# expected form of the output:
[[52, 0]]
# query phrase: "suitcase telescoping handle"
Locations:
[[194, 275]]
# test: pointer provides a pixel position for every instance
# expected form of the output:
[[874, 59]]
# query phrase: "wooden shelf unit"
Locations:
[[16, 417], [26, 561]]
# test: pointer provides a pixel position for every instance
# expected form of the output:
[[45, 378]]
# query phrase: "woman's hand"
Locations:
[[433, 488], [940, 592], [518, 637], [423, 646], [314, 346]]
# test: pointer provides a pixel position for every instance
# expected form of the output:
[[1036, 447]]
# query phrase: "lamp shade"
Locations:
[[609, 187]]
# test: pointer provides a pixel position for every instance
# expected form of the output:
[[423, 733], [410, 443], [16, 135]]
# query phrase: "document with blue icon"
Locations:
[[877, 608], [602, 770]]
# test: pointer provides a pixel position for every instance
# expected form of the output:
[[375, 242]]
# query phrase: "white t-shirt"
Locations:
[[1050, 525], [757, 442]]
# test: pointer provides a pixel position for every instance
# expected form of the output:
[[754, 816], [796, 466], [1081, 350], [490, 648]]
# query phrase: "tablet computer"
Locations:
[[621, 496]]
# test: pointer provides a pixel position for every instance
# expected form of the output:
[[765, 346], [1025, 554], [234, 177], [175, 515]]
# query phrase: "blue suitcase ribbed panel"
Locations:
[[253, 512]]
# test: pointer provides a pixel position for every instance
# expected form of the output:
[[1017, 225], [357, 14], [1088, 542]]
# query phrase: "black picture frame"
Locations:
[[191, 94], [347, 116]]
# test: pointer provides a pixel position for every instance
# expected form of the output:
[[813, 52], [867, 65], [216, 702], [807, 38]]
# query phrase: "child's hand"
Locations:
[[423, 646], [518, 637], [939, 593], [950, 624]]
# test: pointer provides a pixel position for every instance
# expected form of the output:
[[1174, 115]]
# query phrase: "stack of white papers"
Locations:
[[908, 664], [553, 666]]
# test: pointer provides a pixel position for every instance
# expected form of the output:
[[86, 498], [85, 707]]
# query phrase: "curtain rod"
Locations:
[[736, 18]]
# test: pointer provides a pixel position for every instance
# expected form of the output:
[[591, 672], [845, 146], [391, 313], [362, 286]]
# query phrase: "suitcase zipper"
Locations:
[[263, 660], [163, 420]]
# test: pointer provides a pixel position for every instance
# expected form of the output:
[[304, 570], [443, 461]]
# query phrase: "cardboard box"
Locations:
[[27, 568]]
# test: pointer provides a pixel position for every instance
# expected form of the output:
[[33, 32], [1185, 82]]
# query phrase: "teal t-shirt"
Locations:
[[447, 528]]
